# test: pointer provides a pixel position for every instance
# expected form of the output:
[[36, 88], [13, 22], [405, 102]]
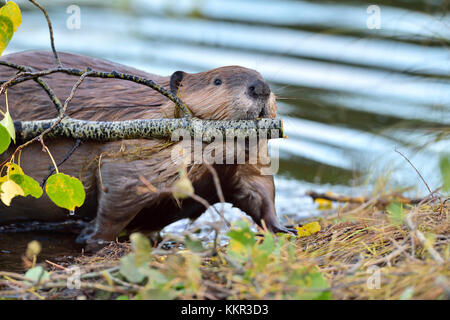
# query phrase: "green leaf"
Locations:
[[261, 255], [242, 234], [156, 294], [319, 282], [268, 244], [396, 213], [310, 279], [155, 276], [242, 241], [193, 244], [445, 172], [407, 294], [65, 191], [135, 266], [8, 123], [10, 20], [5, 138], [6, 32], [28, 185], [141, 247], [122, 297], [12, 11], [129, 269], [37, 274]]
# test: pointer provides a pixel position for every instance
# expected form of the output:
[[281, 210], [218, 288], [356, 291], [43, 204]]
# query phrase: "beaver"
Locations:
[[108, 171]]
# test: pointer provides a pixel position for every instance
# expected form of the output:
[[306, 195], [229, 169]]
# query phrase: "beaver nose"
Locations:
[[259, 89]]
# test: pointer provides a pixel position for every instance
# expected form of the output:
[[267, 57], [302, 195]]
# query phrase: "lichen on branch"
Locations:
[[150, 128]]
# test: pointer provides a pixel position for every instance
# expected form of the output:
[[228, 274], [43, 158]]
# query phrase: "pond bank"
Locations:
[[361, 252]]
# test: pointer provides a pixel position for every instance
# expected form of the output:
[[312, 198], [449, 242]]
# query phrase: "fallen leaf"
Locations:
[[308, 229]]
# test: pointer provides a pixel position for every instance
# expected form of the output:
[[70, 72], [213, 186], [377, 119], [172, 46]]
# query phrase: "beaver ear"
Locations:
[[175, 80]]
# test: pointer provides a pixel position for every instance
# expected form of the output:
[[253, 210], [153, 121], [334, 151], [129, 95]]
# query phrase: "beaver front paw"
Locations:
[[277, 228]]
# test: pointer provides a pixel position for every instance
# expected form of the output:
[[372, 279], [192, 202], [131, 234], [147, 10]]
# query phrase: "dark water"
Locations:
[[57, 247], [349, 95]]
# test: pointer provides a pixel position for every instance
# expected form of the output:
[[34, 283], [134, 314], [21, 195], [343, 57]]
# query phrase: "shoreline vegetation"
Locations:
[[366, 250], [383, 247]]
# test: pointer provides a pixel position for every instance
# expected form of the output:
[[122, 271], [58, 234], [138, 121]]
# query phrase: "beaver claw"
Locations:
[[277, 228], [284, 230]]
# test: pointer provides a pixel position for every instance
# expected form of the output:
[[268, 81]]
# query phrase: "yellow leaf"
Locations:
[[301, 232], [13, 168], [10, 189], [324, 204], [313, 227], [183, 187], [12, 11], [308, 229], [33, 249]]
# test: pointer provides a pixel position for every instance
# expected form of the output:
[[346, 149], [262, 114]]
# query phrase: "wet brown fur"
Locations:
[[111, 185]]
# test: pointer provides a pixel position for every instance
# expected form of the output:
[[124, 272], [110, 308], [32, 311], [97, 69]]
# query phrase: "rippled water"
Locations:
[[349, 95]]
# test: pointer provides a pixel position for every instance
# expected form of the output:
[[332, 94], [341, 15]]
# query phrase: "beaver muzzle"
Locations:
[[259, 92]]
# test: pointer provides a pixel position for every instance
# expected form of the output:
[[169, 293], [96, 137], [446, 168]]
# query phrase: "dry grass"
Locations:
[[358, 243], [354, 246]]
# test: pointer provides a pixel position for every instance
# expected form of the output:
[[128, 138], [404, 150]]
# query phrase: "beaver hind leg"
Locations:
[[118, 202], [86, 233], [106, 227]]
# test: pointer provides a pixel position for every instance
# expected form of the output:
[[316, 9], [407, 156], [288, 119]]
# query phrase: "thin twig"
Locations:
[[426, 184], [383, 201], [423, 240], [412, 226], [55, 265], [58, 120], [51, 94], [25, 76], [219, 191], [52, 169], [41, 82], [50, 29]]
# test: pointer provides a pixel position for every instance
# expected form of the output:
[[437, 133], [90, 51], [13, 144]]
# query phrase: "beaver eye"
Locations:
[[217, 82]]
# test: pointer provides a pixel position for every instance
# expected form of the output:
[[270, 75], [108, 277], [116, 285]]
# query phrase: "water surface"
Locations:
[[349, 96]]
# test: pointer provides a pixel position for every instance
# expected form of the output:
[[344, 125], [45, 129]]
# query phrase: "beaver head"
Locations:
[[226, 93]]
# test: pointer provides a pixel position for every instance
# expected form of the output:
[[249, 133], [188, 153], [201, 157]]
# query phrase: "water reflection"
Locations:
[[349, 95]]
